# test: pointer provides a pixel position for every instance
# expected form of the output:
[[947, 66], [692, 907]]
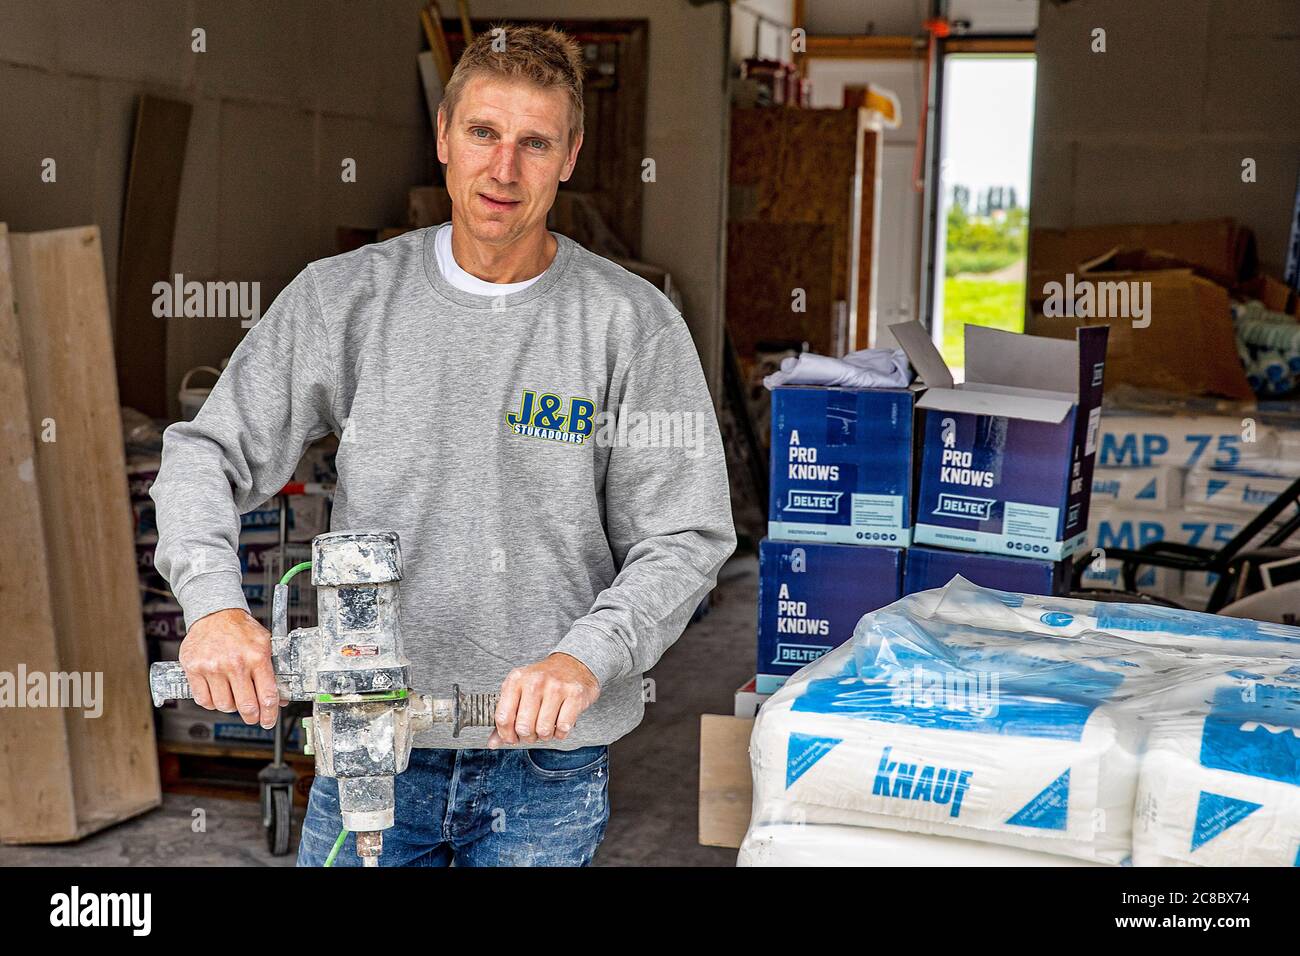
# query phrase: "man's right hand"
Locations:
[[227, 660]]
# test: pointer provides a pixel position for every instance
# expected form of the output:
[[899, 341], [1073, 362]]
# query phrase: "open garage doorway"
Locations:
[[982, 227]]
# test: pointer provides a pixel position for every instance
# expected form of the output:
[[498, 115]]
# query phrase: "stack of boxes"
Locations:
[[877, 493], [1190, 479], [839, 516], [259, 544]]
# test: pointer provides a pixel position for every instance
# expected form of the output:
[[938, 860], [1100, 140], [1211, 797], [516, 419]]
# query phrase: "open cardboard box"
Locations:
[[1183, 343], [1006, 457], [1222, 249]]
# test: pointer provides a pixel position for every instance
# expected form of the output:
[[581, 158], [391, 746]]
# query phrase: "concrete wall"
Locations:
[[683, 224], [282, 95], [1155, 129], [284, 92]]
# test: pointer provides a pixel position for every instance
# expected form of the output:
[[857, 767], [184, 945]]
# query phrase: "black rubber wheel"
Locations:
[[281, 821]]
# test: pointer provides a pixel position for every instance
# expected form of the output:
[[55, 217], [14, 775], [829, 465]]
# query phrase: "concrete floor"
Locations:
[[654, 771]]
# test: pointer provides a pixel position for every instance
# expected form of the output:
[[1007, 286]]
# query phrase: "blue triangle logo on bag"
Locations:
[[803, 751], [1215, 813], [1049, 810]]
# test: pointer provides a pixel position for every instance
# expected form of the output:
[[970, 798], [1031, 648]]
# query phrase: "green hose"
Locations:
[[294, 570], [343, 834]]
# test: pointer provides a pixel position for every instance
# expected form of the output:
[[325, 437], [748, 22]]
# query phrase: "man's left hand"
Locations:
[[542, 701]]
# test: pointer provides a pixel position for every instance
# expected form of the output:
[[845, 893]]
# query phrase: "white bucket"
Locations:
[[192, 399]]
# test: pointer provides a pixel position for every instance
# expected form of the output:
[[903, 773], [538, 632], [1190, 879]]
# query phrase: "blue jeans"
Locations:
[[533, 807]]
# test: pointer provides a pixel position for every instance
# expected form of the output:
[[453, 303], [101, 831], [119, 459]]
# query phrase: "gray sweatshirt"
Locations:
[[550, 460]]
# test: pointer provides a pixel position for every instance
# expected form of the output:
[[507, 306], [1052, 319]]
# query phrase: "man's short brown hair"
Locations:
[[545, 56]]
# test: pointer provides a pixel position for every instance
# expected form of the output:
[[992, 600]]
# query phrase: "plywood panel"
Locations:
[[766, 262], [62, 309], [35, 777], [804, 166]]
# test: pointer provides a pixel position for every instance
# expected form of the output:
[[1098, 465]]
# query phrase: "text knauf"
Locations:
[[938, 785]]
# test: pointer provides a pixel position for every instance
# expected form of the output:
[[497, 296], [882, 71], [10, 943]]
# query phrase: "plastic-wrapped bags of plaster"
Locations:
[[792, 844], [1022, 721]]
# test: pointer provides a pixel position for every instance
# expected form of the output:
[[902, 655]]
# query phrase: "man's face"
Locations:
[[506, 149]]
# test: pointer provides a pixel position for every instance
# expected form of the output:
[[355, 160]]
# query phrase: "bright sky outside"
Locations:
[[988, 108]]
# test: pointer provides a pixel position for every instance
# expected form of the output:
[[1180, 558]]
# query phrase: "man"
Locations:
[[481, 376]]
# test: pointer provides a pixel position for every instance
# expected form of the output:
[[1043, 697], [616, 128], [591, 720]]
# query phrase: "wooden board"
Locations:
[[35, 766], [726, 786], [766, 262], [808, 166], [145, 257], [62, 309], [863, 331]]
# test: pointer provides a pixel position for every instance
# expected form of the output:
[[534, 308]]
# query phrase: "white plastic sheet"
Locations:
[[1024, 721]]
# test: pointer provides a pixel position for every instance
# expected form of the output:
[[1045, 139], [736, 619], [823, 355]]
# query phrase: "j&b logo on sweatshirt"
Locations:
[[546, 415]]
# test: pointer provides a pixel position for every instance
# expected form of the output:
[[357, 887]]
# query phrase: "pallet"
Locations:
[[214, 770]]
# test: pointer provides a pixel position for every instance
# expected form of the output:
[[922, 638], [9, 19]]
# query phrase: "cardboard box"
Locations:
[[841, 465], [811, 596], [748, 699], [927, 568], [1180, 339], [164, 621], [1159, 488], [1006, 459], [1275, 295], [307, 518], [140, 476], [183, 721], [1137, 440], [1222, 248], [726, 780]]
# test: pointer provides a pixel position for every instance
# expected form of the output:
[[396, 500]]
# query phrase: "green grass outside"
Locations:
[[998, 305]]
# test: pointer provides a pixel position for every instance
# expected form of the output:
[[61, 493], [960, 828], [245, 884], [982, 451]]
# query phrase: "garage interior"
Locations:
[[796, 176]]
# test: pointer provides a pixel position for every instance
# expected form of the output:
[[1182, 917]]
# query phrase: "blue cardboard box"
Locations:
[[1007, 456], [810, 597], [927, 568], [841, 465]]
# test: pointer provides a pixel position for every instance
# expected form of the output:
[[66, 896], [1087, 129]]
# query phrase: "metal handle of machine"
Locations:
[[167, 681], [472, 710]]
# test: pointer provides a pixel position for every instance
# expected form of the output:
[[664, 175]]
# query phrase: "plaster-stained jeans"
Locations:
[[532, 807]]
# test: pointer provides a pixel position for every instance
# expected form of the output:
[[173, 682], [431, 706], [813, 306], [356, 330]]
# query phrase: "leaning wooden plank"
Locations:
[[431, 20], [152, 193], [462, 7], [62, 310], [36, 803]]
